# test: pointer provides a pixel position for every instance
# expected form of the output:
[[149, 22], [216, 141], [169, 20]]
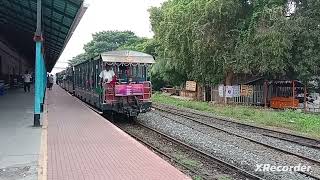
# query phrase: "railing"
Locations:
[[109, 95], [114, 91], [147, 91]]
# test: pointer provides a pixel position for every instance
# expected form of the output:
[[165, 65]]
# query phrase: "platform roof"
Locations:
[[59, 20]]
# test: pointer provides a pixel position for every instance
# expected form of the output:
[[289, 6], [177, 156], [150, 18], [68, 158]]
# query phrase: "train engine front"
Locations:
[[129, 92]]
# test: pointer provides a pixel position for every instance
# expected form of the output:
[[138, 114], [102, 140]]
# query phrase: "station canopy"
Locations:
[[18, 19]]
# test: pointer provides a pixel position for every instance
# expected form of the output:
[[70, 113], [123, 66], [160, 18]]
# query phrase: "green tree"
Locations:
[[264, 44], [108, 41], [78, 59], [198, 37], [211, 40], [305, 35], [142, 45]]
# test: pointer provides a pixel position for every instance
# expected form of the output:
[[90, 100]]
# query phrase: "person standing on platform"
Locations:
[[26, 81], [50, 82]]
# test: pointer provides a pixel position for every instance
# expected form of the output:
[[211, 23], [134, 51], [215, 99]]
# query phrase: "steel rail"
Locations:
[[163, 153], [309, 175], [302, 140], [240, 136], [206, 154]]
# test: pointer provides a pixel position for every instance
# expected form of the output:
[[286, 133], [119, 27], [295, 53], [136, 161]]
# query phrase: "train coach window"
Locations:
[[123, 73]]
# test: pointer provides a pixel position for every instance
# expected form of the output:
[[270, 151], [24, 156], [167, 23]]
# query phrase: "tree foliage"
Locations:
[[305, 35], [142, 45], [106, 41], [211, 40], [78, 59]]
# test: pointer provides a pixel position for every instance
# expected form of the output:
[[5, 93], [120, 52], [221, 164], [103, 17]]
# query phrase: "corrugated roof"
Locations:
[[127, 57], [59, 19]]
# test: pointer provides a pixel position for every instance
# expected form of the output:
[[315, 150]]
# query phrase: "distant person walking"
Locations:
[[26, 81], [50, 82]]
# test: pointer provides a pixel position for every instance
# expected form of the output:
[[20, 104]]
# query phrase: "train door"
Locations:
[[100, 89], [73, 79], [96, 86]]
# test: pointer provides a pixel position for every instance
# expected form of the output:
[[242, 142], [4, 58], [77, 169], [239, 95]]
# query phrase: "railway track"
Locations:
[[214, 162], [199, 121], [293, 138]]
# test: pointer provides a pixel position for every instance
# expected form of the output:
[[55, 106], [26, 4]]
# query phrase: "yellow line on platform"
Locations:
[[43, 158]]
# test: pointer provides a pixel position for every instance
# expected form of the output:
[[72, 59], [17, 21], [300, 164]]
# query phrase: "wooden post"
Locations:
[[305, 97], [265, 93], [293, 94], [211, 92], [224, 94]]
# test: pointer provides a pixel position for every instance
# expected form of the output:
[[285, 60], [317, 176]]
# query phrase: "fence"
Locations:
[[255, 98]]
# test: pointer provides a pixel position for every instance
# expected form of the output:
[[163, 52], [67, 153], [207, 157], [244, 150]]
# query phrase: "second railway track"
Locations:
[[197, 119], [293, 138]]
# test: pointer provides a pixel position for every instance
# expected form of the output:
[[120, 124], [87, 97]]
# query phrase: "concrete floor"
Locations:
[[20, 142]]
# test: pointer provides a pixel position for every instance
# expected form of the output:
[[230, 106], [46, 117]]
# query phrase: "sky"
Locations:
[[108, 15]]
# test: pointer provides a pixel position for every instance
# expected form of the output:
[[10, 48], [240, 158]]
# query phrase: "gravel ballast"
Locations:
[[232, 149], [207, 168]]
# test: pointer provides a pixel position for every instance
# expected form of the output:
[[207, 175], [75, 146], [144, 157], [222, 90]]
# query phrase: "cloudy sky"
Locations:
[[108, 15]]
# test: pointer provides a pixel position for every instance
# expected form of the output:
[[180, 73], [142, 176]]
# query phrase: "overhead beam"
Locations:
[[46, 6], [21, 20], [39, 18], [54, 42], [26, 25], [52, 48], [59, 37], [29, 3], [68, 1]]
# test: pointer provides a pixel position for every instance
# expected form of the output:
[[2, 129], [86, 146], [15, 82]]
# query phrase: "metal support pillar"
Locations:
[[42, 84], [37, 89], [44, 80], [38, 75]]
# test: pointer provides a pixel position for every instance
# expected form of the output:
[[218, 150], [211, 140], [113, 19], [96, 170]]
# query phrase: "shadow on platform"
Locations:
[[20, 141]]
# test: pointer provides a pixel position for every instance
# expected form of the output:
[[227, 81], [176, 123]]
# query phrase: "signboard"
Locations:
[[229, 91], [250, 90], [191, 86], [129, 90], [236, 91], [246, 90], [221, 89]]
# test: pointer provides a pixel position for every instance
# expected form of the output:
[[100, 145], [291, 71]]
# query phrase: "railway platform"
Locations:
[[82, 145], [20, 141]]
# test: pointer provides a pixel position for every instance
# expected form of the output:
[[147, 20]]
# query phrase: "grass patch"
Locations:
[[186, 161], [197, 178], [301, 123]]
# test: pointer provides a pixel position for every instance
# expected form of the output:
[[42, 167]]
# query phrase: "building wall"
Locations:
[[11, 63]]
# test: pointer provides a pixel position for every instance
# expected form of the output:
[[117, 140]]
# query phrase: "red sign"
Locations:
[[129, 89]]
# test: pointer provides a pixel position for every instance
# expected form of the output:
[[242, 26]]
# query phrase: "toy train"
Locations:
[[128, 94]]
